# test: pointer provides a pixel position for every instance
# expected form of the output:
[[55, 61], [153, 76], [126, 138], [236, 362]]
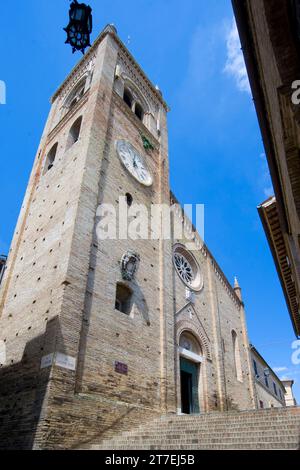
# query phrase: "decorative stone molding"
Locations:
[[129, 265], [85, 68]]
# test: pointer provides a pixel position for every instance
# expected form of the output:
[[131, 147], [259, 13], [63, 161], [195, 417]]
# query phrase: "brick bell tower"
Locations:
[[86, 324]]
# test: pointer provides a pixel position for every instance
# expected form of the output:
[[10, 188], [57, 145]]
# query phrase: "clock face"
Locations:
[[134, 162]]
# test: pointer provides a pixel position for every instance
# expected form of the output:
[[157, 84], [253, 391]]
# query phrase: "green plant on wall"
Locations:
[[147, 144]]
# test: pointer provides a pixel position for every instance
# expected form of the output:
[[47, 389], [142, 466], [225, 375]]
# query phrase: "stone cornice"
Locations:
[[280, 251]]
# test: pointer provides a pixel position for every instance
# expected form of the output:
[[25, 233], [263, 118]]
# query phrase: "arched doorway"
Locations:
[[190, 360]]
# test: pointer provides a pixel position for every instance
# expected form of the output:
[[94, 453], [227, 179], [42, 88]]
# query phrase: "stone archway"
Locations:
[[190, 374], [190, 360], [195, 328]]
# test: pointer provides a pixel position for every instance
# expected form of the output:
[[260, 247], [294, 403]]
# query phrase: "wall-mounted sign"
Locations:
[[66, 362], [47, 361], [121, 368], [60, 360]]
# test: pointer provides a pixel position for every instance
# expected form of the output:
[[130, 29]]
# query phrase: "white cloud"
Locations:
[[199, 81], [268, 192], [280, 369], [265, 179], [285, 377], [235, 65]]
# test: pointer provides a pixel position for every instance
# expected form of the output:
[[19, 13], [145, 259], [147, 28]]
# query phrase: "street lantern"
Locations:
[[79, 27]]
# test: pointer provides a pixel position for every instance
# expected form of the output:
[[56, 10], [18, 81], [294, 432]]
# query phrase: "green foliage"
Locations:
[[147, 144]]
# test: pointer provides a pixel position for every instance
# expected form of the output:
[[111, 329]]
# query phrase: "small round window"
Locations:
[[187, 268]]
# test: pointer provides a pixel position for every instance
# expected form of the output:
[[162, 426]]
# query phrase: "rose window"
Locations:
[[187, 268], [184, 268]]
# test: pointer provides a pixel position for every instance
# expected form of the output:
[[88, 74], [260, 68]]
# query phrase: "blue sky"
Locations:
[[190, 50]]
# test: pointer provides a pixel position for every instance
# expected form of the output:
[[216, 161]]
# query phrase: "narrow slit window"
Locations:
[[139, 111], [255, 368], [127, 97]]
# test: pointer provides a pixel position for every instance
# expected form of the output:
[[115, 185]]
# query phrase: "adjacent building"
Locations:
[[270, 38], [289, 395], [270, 391]]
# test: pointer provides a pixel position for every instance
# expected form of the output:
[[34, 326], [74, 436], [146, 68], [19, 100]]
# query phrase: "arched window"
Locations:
[[74, 133], [123, 301], [50, 158], [76, 94], [187, 268], [237, 356], [128, 98], [139, 111]]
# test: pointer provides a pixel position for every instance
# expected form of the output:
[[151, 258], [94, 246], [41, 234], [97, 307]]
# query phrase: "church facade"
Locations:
[[98, 336]]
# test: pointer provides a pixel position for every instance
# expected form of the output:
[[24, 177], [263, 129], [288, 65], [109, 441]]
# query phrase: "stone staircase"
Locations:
[[273, 429]]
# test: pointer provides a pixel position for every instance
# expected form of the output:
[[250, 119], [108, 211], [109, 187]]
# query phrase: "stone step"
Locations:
[[216, 429], [205, 447], [262, 419], [223, 425], [248, 437], [198, 443], [210, 435], [201, 445], [196, 432], [241, 423], [266, 429], [230, 420]]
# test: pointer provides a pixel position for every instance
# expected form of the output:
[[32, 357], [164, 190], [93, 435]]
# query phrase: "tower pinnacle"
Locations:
[[237, 288]]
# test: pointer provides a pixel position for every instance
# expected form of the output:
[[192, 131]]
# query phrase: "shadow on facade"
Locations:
[[23, 388], [108, 432]]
